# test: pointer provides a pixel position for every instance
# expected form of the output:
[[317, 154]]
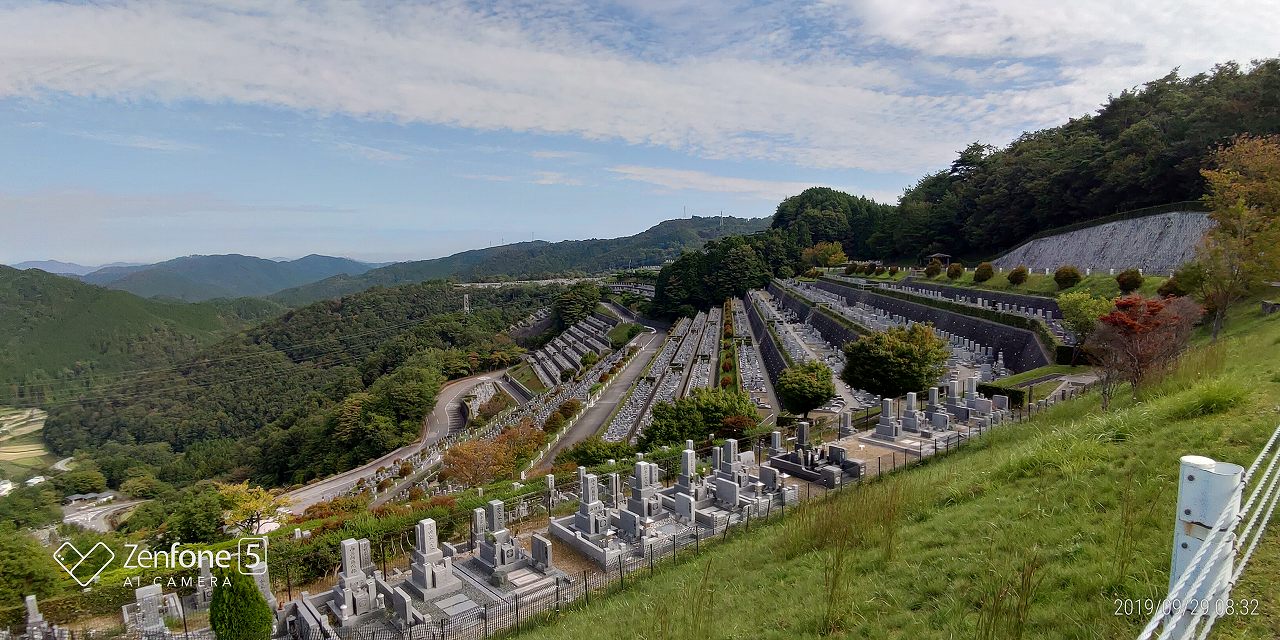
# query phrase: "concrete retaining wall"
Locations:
[[1022, 350], [1157, 244]]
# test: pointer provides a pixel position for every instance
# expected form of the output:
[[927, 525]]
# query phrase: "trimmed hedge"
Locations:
[[1016, 396]]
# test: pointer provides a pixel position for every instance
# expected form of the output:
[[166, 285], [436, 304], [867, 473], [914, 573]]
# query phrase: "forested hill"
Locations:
[[1143, 147], [316, 390], [533, 260], [196, 278], [56, 332]]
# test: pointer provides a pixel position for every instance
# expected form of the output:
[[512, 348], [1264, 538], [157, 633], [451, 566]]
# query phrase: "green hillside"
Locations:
[[310, 392], [1080, 498], [197, 278], [532, 260], [54, 330]]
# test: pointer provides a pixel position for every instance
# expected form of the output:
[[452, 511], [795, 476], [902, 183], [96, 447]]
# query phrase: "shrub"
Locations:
[[1018, 276], [726, 366], [954, 271], [934, 268], [238, 611], [813, 272], [984, 272], [880, 270], [850, 269], [1129, 280], [726, 381], [893, 270], [868, 268], [1016, 395], [1067, 276], [1172, 288], [554, 422]]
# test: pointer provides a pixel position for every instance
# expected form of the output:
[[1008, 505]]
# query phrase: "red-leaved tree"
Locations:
[[1139, 339]]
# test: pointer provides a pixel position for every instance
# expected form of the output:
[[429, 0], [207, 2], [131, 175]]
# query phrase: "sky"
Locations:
[[141, 131]]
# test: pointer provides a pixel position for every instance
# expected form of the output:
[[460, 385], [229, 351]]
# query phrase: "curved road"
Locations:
[[435, 427], [96, 517]]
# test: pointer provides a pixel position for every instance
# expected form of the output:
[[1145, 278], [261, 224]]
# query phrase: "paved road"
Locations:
[[435, 427], [96, 518], [594, 417]]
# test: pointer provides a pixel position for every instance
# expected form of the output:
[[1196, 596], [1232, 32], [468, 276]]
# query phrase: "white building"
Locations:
[[35, 480], [6, 487]]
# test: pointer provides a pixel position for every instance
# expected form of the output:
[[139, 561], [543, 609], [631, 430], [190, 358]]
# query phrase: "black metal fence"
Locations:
[[577, 590]]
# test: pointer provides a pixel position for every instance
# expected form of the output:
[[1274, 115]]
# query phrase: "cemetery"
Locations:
[[562, 356], [1022, 349], [611, 528], [686, 361]]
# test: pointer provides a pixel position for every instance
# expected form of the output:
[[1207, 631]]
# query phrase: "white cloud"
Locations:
[[687, 180], [147, 143], [487, 177], [555, 178], [549, 154], [888, 85], [371, 153]]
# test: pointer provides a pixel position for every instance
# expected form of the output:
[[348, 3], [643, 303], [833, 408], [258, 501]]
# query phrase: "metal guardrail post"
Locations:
[[1208, 495]]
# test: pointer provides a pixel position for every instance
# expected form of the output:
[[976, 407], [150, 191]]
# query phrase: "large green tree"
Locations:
[[804, 387], [576, 303], [702, 415], [26, 567], [895, 361], [238, 611], [1080, 312], [1242, 250]]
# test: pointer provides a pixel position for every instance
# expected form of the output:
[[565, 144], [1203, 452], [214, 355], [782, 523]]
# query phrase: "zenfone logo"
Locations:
[[84, 568], [249, 558]]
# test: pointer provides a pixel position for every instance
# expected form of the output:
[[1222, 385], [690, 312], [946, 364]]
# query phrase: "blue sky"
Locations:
[[386, 131]]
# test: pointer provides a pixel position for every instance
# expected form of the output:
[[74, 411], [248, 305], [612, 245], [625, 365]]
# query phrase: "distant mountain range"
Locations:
[[67, 268], [538, 259], [316, 277], [199, 278]]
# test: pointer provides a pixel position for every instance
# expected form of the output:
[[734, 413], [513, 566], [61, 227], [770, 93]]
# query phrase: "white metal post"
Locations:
[[1208, 497]]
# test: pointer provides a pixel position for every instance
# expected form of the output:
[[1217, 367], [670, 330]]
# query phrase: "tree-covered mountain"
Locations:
[[533, 260], [308, 393], [57, 333], [197, 278], [1143, 147]]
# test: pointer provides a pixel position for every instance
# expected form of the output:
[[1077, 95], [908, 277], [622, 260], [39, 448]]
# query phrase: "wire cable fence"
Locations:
[[1200, 594]]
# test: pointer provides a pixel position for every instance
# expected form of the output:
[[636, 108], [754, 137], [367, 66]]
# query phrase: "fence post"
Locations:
[[586, 588], [697, 542], [486, 620], [1208, 494]]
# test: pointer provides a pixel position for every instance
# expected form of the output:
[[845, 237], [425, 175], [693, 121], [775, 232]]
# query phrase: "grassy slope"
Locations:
[[1054, 488]]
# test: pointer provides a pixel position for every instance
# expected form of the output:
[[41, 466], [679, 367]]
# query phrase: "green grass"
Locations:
[[1077, 504], [1053, 369], [1039, 284], [524, 373], [621, 334]]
